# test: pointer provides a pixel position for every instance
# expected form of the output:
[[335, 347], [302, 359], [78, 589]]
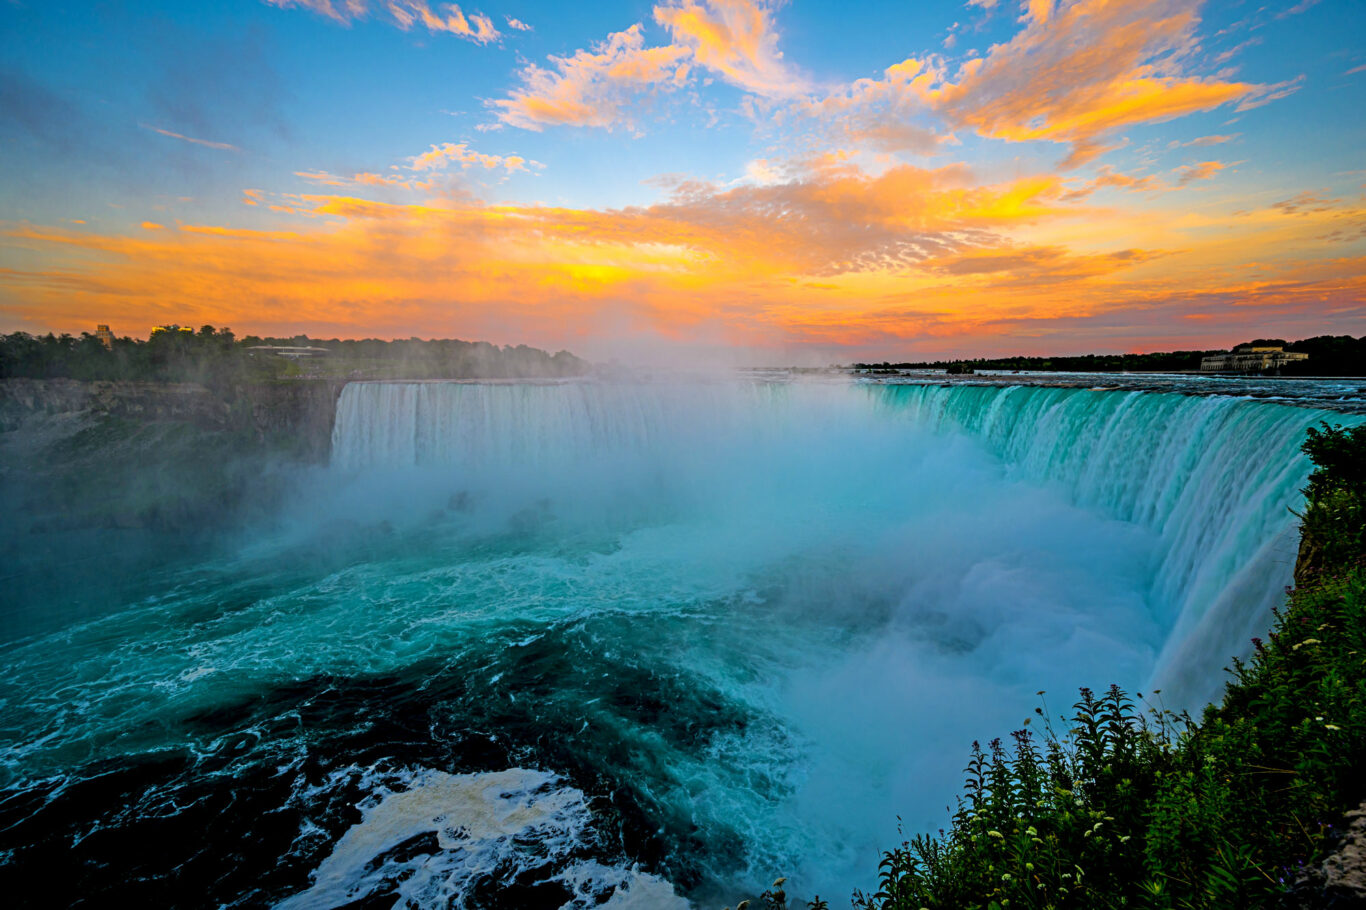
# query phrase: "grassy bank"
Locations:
[[1124, 804]]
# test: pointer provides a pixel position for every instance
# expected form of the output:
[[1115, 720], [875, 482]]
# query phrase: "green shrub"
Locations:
[[1334, 522]]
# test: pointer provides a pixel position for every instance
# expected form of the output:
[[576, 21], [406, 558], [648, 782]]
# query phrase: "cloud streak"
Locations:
[[446, 17], [221, 146]]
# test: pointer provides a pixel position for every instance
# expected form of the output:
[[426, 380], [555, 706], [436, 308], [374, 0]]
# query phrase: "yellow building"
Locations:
[[105, 336]]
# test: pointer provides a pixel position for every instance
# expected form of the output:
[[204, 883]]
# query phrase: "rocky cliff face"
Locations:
[[1339, 882], [23, 399], [1309, 560], [168, 458], [293, 418]]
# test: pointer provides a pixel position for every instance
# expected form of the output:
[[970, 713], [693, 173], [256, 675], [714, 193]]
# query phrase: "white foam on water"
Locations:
[[500, 823], [630, 889]]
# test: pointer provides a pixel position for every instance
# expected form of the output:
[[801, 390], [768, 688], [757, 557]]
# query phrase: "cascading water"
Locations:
[[1215, 477], [566, 644]]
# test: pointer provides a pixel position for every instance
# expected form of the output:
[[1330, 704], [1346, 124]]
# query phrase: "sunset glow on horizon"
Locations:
[[799, 182]]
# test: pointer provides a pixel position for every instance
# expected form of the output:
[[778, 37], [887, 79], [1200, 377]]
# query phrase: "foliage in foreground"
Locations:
[[1333, 528], [1139, 807]]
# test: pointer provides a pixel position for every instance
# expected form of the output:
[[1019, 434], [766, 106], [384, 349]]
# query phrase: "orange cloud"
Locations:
[[1085, 70], [825, 255], [1203, 141], [1033, 267], [591, 87], [365, 178], [321, 177], [534, 271], [1108, 176], [438, 157], [1076, 73], [1188, 173], [889, 114], [1306, 204], [735, 38], [475, 27]]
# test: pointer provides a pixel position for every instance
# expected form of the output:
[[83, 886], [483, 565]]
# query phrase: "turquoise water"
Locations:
[[648, 644]]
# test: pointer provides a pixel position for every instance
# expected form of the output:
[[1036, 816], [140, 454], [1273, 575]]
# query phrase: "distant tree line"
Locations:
[[1329, 355], [216, 357]]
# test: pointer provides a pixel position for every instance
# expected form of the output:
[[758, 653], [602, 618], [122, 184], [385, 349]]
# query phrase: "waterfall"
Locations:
[[1214, 478]]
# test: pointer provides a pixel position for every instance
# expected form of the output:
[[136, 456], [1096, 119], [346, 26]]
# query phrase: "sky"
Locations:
[[783, 182]]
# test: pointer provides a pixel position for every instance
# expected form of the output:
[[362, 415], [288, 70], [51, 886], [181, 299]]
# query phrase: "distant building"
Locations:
[[105, 336], [158, 329], [1250, 360], [291, 352]]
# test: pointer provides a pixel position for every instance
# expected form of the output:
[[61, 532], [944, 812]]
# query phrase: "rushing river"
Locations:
[[636, 645]]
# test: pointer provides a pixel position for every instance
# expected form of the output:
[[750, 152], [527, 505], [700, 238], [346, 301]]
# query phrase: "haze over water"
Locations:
[[547, 644]]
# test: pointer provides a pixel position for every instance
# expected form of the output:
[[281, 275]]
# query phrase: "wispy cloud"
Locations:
[[365, 178], [1306, 203], [892, 114], [1189, 173], [440, 156], [737, 39], [1302, 6], [419, 174], [1202, 141], [447, 17], [594, 87], [1108, 178], [222, 146], [601, 87]]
